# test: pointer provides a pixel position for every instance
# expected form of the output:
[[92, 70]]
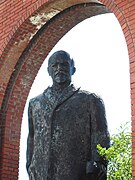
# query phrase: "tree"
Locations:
[[119, 155]]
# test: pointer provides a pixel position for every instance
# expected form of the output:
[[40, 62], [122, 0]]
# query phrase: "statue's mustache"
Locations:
[[60, 72]]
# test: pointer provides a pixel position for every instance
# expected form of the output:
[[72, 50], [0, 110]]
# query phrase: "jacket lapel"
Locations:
[[52, 102], [66, 94]]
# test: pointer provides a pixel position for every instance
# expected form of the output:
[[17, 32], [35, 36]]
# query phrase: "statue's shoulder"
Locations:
[[87, 93], [36, 99], [90, 96], [41, 97], [83, 92]]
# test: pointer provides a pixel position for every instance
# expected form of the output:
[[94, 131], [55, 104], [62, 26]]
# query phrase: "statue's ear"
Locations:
[[72, 67], [73, 70], [48, 69]]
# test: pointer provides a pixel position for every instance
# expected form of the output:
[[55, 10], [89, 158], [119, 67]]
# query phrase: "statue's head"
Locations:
[[61, 67]]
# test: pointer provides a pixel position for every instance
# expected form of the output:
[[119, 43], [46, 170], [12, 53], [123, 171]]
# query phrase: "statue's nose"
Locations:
[[59, 67]]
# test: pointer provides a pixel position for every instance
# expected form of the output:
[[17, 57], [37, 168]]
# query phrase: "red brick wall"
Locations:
[[22, 54]]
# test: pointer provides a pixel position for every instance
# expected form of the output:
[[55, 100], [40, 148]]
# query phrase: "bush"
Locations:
[[119, 155]]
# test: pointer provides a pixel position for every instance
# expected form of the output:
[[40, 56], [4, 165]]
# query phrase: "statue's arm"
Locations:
[[99, 122], [30, 139], [99, 135]]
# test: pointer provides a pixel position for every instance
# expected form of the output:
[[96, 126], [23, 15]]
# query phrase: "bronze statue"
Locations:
[[65, 126]]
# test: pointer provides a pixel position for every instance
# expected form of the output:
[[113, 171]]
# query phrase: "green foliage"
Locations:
[[119, 155]]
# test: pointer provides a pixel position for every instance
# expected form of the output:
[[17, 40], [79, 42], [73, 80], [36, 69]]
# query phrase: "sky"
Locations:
[[99, 50]]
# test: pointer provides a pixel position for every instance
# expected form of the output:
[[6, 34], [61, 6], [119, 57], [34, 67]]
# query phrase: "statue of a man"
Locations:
[[65, 126]]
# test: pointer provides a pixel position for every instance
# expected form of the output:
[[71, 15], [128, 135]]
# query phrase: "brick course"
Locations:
[[24, 44]]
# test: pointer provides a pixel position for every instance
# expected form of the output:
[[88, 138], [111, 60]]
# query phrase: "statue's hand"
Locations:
[[92, 167]]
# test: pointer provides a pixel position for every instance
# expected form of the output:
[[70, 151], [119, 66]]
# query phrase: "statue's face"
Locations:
[[59, 70]]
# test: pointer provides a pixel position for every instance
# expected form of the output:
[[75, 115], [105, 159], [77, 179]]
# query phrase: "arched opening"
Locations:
[[101, 68], [26, 61], [27, 57]]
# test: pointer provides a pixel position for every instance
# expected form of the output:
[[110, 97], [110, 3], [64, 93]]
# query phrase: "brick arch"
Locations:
[[25, 10], [22, 32], [27, 61]]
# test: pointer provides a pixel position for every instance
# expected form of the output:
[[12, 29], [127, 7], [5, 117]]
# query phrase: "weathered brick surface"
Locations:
[[13, 13], [22, 54]]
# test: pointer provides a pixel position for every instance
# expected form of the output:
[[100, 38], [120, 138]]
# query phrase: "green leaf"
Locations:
[[119, 155]]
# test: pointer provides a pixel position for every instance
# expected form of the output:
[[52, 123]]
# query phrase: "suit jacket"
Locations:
[[64, 133]]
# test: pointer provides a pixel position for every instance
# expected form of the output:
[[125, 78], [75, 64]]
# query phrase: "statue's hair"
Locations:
[[59, 53]]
